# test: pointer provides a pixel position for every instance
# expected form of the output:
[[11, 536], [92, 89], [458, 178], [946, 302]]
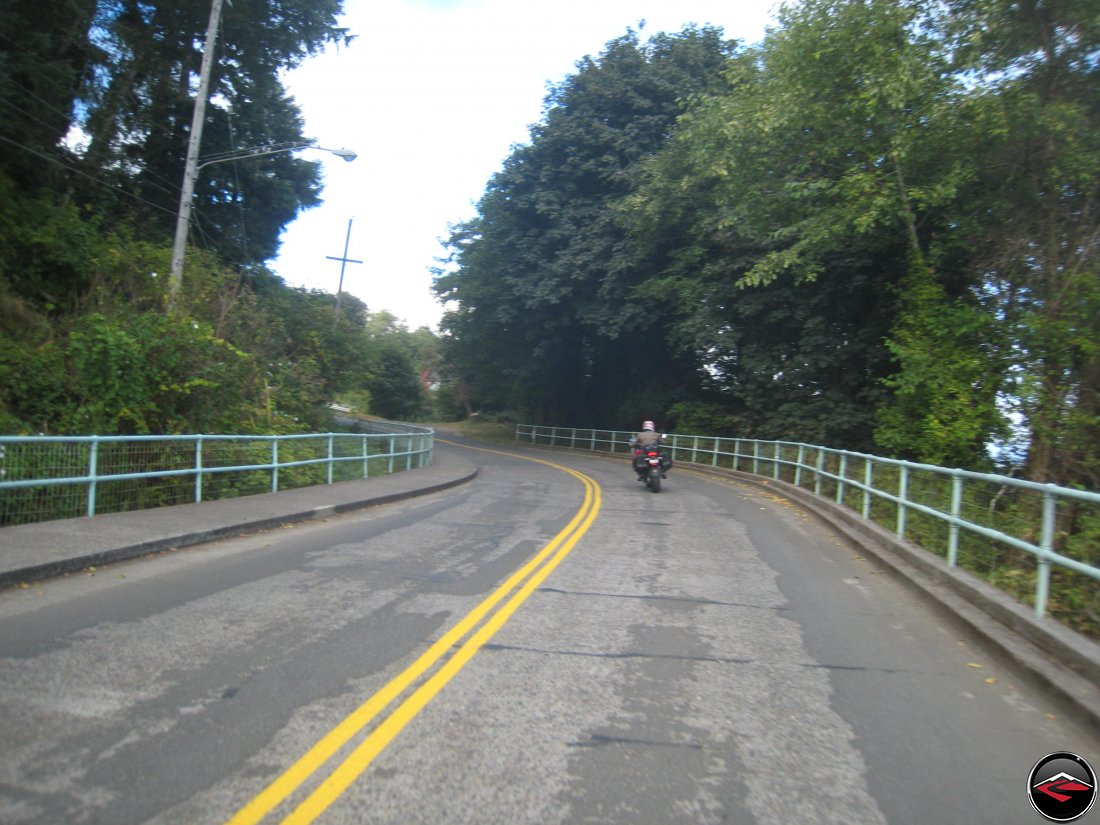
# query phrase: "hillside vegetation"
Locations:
[[877, 229]]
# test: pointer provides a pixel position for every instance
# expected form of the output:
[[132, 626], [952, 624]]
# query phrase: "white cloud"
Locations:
[[432, 96]]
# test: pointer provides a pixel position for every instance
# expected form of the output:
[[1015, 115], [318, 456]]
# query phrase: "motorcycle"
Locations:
[[650, 463]]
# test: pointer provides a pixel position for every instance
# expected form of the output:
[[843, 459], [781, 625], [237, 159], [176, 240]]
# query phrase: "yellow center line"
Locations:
[[290, 780]]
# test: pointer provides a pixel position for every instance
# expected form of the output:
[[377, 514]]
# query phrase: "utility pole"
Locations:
[[187, 190], [343, 262]]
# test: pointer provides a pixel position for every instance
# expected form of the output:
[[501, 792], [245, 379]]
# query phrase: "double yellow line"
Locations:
[[479, 625]]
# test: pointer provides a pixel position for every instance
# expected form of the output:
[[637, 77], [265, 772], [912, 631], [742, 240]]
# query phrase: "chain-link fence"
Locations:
[[54, 477]]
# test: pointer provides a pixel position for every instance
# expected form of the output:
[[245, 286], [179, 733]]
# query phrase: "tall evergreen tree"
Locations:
[[139, 114], [539, 275], [46, 57]]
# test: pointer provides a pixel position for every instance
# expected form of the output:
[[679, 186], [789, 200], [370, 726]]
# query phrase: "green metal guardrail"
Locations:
[[52, 477], [1038, 542]]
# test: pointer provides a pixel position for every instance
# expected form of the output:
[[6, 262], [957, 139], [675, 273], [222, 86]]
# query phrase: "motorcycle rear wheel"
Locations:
[[654, 481]]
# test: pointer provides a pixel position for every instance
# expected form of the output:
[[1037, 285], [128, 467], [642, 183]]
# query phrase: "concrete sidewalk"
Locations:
[[30, 552]]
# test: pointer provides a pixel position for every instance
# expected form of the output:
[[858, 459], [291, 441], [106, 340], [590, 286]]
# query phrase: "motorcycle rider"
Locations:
[[648, 437]]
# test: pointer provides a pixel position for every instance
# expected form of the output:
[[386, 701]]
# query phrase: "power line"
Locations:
[[152, 177], [40, 63], [237, 179], [83, 174], [43, 101]]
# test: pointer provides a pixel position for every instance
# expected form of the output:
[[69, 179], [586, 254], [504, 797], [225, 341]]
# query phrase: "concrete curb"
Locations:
[[131, 549]]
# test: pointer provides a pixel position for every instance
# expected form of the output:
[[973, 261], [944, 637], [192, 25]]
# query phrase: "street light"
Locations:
[[187, 191], [238, 154]]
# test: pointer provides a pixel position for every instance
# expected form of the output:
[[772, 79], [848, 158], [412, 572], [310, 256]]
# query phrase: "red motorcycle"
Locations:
[[650, 463]]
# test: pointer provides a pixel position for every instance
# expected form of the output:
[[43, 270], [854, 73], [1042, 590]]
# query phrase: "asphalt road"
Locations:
[[708, 654]]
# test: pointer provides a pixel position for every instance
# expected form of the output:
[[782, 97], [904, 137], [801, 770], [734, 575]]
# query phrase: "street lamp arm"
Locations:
[[346, 154], [191, 172]]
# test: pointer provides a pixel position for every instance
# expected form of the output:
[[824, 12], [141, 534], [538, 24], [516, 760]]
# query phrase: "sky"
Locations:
[[432, 96]]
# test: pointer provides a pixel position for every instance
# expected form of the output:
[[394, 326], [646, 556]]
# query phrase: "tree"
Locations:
[[826, 173], [394, 386], [139, 114], [394, 377], [1035, 222], [45, 57], [85, 346], [541, 274]]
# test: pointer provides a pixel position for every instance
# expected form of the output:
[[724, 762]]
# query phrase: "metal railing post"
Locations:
[[93, 460], [198, 469], [841, 472], [956, 511], [1046, 547], [798, 466], [868, 481], [903, 497], [275, 464]]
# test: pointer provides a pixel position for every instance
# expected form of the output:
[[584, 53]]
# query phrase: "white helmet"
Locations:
[[649, 425]]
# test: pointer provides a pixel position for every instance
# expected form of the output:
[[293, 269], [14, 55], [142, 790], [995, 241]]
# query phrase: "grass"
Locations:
[[492, 432]]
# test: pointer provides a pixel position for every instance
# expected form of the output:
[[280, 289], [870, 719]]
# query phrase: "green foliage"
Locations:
[[130, 108], [394, 380], [875, 230], [151, 374], [934, 223], [45, 54], [943, 408], [1033, 226], [85, 344], [780, 227], [700, 417], [395, 386], [544, 276], [35, 385], [357, 401], [46, 246]]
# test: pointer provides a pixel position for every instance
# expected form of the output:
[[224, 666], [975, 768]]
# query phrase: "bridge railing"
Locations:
[[1038, 542], [53, 477]]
